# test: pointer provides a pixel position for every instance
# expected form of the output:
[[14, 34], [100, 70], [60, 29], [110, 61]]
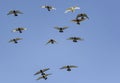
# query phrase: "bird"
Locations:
[[43, 77], [52, 41], [68, 67], [19, 29], [75, 39], [14, 12], [42, 71], [49, 8], [82, 16], [71, 9], [78, 21], [15, 40], [61, 29]]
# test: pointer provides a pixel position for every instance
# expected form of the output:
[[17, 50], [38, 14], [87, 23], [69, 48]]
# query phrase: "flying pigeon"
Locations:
[[75, 39], [43, 77], [78, 21], [82, 16], [19, 29], [68, 67], [52, 41], [14, 12], [42, 71], [71, 9], [15, 40], [49, 8], [61, 28]]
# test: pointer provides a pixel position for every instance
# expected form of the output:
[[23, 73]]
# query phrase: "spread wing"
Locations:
[[68, 10], [37, 73], [72, 66], [58, 28], [39, 78], [70, 38], [65, 27], [18, 38], [64, 67], [76, 7], [45, 69], [17, 11], [10, 12]]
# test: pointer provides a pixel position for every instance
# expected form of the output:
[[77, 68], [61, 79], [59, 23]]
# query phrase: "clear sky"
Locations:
[[97, 57]]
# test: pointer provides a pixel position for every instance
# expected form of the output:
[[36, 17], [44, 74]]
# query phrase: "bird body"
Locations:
[[14, 12]]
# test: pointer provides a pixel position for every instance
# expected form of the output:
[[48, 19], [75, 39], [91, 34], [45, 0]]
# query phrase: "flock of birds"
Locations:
[[44, 75], [79, 18]]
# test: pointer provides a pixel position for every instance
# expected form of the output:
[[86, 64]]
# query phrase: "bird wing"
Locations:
[[45, 69], [18, 38], [53, 8], [23, 28], [68, 10], [70, 38], [17, 11], [86, 15], [10, 12], [58, 28], [39, 78], [64, 67], [65, 27], [72, 66], [47, 75], [43, 6], [11, 40], [37, 73], [76, 7], [79, 38]]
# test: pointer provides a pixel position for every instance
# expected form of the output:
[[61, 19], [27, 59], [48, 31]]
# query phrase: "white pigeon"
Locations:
[[71, 9]]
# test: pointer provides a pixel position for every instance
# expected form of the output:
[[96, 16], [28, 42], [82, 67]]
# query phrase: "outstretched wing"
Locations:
[[68, 10], [73, 66], [17, 11], [76, 7], [64, 67], [65, 27], [37, 73], [70, 38], [39, 78], [78, 38], [45, 69], [18, 38], [58, 28], [10, 12]]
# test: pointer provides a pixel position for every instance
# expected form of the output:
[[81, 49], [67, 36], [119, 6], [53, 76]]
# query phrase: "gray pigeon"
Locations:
[[68, 67], [14, 12]]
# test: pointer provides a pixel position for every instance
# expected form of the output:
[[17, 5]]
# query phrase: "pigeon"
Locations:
[[71, 9], [68, 67], [15, 40], [82, 16], [19, 29], [52, 41], [49, 8], [75, 39], [61, 28], [43, 77], [14, 12], [42, 71], [78, 21]]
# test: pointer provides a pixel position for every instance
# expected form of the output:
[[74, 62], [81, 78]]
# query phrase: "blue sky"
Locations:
[[97, 57]]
